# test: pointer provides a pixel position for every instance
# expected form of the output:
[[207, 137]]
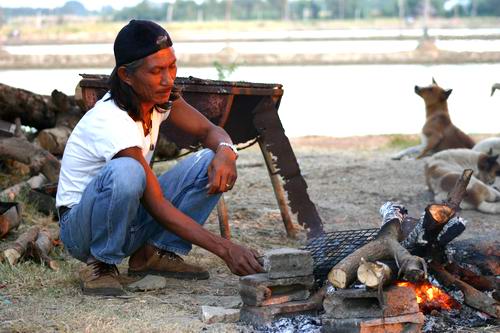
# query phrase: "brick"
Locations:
[[288, 262], [408, 323], [259, 290], [358, 303], [261, 315]]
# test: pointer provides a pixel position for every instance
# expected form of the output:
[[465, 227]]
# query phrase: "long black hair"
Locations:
[[123, 94]]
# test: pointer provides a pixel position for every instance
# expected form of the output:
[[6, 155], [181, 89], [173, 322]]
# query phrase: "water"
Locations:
[[273, 47], [339, 100]]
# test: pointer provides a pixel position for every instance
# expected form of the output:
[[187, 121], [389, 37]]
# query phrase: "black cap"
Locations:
[[138, 39]]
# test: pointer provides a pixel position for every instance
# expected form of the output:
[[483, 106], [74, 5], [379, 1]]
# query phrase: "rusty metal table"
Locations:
[[247, 111]]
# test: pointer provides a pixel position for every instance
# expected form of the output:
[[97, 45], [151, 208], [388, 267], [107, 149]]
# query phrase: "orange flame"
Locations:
[[430, 297]]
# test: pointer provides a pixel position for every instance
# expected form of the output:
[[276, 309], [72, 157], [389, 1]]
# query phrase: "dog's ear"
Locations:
[[492, 159], [434, 81], [447, 93]]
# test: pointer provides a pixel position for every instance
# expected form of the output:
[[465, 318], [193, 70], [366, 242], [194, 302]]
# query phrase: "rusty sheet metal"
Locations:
[[269, 126]]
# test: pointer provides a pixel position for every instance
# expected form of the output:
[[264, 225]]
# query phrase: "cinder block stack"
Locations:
[[282, 291], [361, 311]]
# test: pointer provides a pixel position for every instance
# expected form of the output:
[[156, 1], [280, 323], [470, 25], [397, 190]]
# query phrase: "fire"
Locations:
[[430, 297]]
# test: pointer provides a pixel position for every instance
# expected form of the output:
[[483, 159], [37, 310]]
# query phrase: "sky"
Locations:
[[89, 4]]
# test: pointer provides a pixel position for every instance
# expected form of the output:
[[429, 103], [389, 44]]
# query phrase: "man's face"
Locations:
[[154, 79]]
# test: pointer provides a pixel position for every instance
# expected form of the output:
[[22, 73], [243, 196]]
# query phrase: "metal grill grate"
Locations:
[[331, 247]]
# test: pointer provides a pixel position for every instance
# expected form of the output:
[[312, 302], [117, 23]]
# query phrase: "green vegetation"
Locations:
[[191, 10], [224, 71], [400, 141]]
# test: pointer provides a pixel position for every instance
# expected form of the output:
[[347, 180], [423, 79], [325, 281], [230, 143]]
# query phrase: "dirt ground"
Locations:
[[348, 179]]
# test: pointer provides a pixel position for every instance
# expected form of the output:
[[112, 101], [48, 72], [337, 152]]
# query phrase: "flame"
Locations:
[[430, 297]]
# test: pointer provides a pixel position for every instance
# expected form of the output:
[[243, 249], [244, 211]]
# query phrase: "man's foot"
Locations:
[[169, 264], [100, 279]]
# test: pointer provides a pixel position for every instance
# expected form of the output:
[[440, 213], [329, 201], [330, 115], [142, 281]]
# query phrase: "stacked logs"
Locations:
[[35, 243], [404, 248]]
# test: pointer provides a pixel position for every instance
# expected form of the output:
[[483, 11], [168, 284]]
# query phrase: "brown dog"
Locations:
[[438, 132], [444, 168]]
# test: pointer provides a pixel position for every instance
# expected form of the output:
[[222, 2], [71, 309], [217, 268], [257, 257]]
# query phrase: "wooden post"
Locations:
[[278, 191], [223, 218]]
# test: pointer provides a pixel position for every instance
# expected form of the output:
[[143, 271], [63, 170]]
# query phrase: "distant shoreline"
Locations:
[[230, 56]]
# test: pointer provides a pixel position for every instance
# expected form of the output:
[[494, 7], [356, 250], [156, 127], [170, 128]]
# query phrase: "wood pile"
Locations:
[[406, 250]]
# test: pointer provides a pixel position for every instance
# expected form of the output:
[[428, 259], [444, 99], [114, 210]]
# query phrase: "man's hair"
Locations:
[[122, 94], [135, 41]]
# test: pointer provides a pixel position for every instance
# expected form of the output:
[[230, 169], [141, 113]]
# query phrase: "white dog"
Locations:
[[444, 168]]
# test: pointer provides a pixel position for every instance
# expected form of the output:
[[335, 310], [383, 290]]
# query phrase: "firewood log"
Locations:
[[385, 246], [376, 274], [481, 253], [472, 296], [37, 158], [34, 182], [38, 111], [10, 218], [43, 245], [438, 225], [15, 251], [34, 110], [54, 139], [480, 282]]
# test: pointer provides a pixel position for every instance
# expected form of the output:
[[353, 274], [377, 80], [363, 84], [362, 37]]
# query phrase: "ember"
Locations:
[[430, 297]]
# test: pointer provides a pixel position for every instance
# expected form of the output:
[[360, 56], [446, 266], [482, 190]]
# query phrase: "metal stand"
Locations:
[[278, 191]]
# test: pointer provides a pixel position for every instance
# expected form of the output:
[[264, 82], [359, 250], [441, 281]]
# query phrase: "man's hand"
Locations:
[[222, 171], [242, 261]]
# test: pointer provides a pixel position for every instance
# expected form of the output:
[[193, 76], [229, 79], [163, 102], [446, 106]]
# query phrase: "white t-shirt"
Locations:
[[101, 133]]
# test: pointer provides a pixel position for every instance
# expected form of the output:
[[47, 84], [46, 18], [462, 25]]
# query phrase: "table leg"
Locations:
[[223, 218], [278, 192]]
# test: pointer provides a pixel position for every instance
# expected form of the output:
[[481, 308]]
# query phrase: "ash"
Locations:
[[456, 320], [298, 324]]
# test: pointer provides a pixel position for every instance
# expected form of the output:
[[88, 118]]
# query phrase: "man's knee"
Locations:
[[128, 175], [204, 157]]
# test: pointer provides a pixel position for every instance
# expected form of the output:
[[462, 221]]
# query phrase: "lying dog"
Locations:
[[438, 132], [444, 168], [488, 146]]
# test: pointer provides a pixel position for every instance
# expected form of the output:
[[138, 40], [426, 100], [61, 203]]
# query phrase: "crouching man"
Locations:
[[112, 206]]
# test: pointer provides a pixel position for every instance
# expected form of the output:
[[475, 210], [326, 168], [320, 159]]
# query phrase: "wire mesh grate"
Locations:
[[331, 247]]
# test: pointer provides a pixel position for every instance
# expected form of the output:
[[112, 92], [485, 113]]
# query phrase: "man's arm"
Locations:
[[240, 260], [222, 171]]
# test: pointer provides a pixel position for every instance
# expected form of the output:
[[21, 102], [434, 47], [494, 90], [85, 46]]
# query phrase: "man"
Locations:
[[112, 206]]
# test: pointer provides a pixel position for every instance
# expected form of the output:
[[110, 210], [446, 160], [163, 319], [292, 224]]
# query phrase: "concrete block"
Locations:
[[358, 303], [288, 262], [408, 323], [215, 314], [259, 290], [262, 315]]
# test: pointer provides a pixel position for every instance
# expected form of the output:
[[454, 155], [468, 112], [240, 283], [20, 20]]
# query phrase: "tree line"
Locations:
[[206, 10]]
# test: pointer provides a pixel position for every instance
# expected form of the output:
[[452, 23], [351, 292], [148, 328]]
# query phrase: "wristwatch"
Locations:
[[231, 146]]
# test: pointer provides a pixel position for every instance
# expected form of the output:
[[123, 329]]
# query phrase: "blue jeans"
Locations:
[[110, 223]]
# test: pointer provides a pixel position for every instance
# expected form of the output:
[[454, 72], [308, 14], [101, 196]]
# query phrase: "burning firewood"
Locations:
[[385, 246], [20, 246], [480, 282], [472, 296], [439, 225]]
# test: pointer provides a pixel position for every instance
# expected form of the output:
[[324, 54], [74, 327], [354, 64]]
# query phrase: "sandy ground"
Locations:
[[348, 180]]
